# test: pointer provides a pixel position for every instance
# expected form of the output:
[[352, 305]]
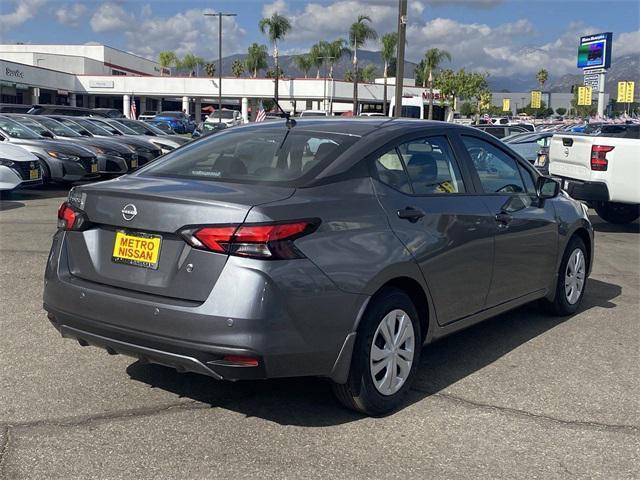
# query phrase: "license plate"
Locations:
[[542, 159], [134, 163], [139, 249], [34, 174], [94, 168]]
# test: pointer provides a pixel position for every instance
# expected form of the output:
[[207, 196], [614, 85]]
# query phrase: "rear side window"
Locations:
[[498, 172], [254, 155], [424, 166]]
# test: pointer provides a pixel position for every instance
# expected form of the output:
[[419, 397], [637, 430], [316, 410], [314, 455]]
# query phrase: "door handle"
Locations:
[[503, 219], [410, 213]]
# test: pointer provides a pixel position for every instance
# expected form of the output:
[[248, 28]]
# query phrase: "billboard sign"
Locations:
[[594, 51], [536, 98], [506, 104], [592, 80], [584, 96], [625, 92]]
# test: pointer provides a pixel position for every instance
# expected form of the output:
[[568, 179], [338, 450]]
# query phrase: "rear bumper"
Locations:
[[292, 319], [587, 191]]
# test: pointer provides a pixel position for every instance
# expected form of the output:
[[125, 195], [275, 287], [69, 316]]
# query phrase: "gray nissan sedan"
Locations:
[[321, 247]]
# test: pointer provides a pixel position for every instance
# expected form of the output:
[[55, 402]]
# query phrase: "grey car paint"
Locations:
[[300, 317]]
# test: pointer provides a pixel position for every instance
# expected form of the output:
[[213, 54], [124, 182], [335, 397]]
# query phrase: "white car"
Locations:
[[146, 116], [229, 117], [18, 167], [314, 113]]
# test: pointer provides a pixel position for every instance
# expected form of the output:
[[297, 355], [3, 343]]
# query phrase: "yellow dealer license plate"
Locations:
[[134, 163], [34, 174], [94, 168], [139, 249]]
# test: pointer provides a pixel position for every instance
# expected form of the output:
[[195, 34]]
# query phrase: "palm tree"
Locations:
[[303, 63], [368, 73], [359, 33], [210, 69], [237, 68], [256, 59], [275, 28], [334, 51], [167, 59], [387, 53], [191, 62], [317, 55], [433, 58], [542, 76]]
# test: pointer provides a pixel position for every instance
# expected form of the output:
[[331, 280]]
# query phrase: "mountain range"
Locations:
[[626, 67]]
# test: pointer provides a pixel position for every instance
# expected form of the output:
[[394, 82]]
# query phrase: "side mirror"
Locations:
[[47, 134], [85, 133], [547, 187]]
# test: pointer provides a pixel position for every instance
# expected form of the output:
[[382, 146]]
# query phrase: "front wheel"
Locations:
[[385, 356], [619, 213], [572, 279]]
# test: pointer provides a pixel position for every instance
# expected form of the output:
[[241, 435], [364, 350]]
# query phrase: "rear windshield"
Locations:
[[57, 127], [138, 127], [254, 155]]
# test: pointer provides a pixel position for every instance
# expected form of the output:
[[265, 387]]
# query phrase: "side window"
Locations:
[[431, 166], [498, 172], [391, 171]]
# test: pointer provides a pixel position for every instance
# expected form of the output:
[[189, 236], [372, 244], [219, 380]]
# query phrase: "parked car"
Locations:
[[529, 145], [113, 157], [314, 113], [60, 161], [601, 169], [18, 168], [230, 118], [207, 128], [107, 112], [91, 127], [60, 110], [147, 115], [180, 122], [501, 131], [164, 127], [156, 136], [250, 254], [14, 108]]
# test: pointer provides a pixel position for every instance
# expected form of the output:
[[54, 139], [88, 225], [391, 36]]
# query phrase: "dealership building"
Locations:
[[100, 76]]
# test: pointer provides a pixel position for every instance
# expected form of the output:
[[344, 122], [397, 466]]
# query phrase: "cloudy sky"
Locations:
[[503, 37]]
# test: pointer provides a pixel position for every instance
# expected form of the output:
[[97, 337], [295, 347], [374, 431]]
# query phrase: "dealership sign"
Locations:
[[594, 51], [101, 83], [14, 73], [591, 79]]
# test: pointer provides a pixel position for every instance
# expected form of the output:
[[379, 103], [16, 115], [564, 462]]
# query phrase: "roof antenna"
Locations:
[[290, 122]]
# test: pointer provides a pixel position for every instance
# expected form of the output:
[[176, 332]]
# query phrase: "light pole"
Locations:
[[219, 15], [402, 34]]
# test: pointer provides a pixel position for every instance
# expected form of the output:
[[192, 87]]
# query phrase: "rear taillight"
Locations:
[[265, 241], [71, 218], [599, 159]]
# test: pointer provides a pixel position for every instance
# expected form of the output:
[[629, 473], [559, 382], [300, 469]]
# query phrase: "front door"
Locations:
[[432, 209], [525, 229]]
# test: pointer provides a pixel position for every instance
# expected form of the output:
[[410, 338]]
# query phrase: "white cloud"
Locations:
[[110, 17], [70, 14], [626, 43], [24, 10]]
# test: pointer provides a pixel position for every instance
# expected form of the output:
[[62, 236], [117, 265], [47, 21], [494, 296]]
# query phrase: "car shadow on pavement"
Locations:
[[600, 225], [43, 191], [9, 205], [309, 401]]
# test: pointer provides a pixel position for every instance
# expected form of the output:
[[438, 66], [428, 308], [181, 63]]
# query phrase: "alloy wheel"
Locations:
[[574, 276]]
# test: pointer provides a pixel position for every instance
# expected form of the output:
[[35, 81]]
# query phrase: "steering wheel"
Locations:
[[510, 188]]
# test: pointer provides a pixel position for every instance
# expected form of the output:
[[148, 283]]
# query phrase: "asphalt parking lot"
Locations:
[[520, 396]]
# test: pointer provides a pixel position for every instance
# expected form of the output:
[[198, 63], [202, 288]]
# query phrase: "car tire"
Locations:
[[618, 213], [372, 388], [572, 275]]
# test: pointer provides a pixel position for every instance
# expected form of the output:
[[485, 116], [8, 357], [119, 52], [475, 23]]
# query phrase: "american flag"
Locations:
[[261, 114], [133, 114]]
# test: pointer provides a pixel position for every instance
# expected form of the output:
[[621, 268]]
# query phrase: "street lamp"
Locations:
[[219, 15]]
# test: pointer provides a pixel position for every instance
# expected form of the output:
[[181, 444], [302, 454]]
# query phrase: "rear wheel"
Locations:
[[572, 279], [613, 212], [385, 356]]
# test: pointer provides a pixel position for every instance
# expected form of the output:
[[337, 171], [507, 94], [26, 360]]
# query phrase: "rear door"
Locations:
[[525, 230], [432, 208], [570, 156]]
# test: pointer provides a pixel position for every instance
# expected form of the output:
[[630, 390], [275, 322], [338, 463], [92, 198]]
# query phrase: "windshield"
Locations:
[[254, 155], [154, 129], [122, 128], [222, 114], [105, 126], [139, 128], [94, 128], [33, 125], [58, 128], [15, 130]]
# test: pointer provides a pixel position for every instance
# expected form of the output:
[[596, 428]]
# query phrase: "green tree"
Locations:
[[467, 109], [561, 111], [271, 73], [275, 28], [447, 82], [541, 77], [191, 62], [256, 59], [317, 56], [167, 59], [210, 69], [389, 44], [360, 32], [433, 58], [365, 74], [237, 68], [303, 63], [335, 51]]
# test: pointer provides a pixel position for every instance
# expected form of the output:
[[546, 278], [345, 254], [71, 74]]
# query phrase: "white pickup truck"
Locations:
[[601, 169]]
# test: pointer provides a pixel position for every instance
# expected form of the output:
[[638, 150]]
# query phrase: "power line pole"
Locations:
[[219, 15], [402, 35]]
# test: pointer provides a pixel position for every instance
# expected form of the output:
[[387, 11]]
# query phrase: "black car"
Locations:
[[59, 110], [108, 112], [501, 131]]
